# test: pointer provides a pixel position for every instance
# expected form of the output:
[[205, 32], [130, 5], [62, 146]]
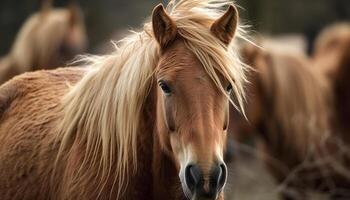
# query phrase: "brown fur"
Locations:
[[30, 151], [58, 131], [36, 96], [31, 103], [48, 39], [289, 107]]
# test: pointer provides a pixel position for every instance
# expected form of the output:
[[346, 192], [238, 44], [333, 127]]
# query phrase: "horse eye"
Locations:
[[166, 89], [229, 88]]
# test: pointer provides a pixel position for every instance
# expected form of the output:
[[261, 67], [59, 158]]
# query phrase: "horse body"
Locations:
[[48, 39], [290, 109], [26, 151], [147, 122]]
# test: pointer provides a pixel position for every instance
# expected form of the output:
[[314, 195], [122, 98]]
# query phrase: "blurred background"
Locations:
[[107, 19]]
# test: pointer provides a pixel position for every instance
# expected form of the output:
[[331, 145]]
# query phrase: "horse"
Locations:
[[332, 58], [148, 121], [290, 112], [48, 39]]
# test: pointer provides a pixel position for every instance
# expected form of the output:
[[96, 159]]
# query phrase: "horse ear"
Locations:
[[164, 28], [225, 27]]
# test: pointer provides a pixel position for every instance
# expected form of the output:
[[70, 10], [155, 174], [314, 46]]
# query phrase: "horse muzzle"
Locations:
[[198, 187]]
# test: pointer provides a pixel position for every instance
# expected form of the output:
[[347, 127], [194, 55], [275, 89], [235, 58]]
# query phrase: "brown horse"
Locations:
[[146, 122], [332, 57], [289, 110], [47, 40]]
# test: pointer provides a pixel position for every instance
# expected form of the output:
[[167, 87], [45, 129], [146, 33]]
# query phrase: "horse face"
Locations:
[[192, 112], [193, 121]]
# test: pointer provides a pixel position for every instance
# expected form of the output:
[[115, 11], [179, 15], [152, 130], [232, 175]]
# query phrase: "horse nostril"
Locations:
[[218, 177], [205, 187], [192, 176]]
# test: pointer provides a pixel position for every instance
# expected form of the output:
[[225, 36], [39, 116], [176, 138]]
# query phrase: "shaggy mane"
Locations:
[[103, 111]]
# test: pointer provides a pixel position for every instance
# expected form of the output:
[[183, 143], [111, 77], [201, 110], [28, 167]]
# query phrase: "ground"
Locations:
[[248, 180]]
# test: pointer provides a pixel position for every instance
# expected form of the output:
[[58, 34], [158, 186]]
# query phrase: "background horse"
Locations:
[[47, 40], [289, 109], [332, 58], [141, 123]]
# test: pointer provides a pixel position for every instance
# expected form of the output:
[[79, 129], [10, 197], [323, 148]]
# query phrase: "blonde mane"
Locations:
[[103, 111]]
